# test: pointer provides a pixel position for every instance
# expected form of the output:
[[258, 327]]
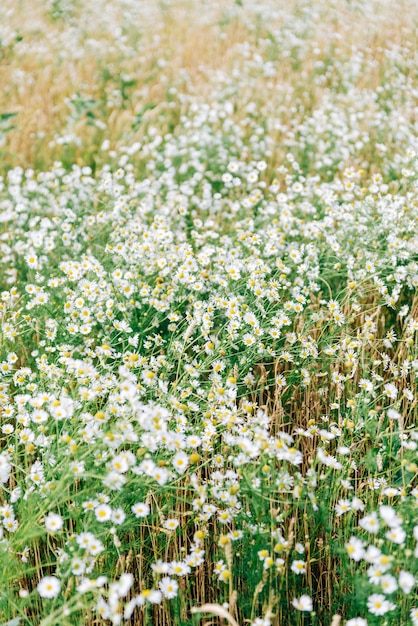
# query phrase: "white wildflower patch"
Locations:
[[208, 312]]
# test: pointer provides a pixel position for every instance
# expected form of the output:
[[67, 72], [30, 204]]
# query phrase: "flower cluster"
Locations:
[[208, 325]]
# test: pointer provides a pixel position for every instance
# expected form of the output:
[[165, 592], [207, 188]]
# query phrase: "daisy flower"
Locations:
[[304, 603], [140, 509], [49, 587]]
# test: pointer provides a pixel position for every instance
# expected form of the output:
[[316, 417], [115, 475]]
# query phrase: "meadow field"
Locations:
[[208, 312]]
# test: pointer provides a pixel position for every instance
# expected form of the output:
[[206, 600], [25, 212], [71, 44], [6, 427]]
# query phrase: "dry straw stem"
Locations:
[[215, 609]]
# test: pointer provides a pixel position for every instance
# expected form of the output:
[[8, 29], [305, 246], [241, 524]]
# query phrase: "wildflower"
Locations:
[[103, 608], [148, 377], [36, 473], [408, 394], [342, 506], [49, 587], [396, 535], [24, 556], [339, 318], [180, 462], [168, 587], [355, 549], [378, 605], [298, 567], [171, 524], [194, 441], [388, 514], [388, 583], [53, 522], [304, 603], [367, 385], [259, 621], [224, 517], [121, 587], [141, 509], [77, 468], [78, 567], [118, 516], [160, 474], [5, 468], [179, 568], [406, 581], [357, 504], [153, 596], [252, 177], [248, 339], [103, 513], [225, 575], [390, 391], [95, 547], [39, 416], [88, 584], [370, 523]]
